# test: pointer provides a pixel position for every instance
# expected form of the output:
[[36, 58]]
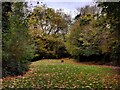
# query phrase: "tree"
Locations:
[[83, 39], [48, 21], [48, 28], [17, 46], [111, 11], [88, 10]]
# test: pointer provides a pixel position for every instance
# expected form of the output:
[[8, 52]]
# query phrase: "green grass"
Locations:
[[54, 74]]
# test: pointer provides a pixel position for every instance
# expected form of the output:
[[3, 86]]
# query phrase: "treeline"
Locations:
[[93, 35]]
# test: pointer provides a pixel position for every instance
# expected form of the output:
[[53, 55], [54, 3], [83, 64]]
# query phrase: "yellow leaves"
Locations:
[[81, 39], [87, 86], [86, 43], [104, 48]]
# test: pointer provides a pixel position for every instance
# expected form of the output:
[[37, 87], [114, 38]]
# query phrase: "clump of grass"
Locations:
[[54, 74]]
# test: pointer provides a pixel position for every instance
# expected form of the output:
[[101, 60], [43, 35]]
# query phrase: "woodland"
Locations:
[[45, 36]]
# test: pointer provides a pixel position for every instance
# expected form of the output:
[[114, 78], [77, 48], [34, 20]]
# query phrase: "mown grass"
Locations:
[[52, 74]]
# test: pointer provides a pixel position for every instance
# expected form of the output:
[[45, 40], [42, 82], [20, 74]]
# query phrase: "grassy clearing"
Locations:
[[54, 74]]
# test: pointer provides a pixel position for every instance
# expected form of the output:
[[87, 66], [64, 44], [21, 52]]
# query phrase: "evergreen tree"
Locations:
[[17, 45]]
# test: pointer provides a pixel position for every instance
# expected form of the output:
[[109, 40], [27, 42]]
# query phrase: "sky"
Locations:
[[69, 6]]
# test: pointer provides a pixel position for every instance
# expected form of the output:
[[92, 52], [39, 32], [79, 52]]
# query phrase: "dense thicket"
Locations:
[[17, 48]]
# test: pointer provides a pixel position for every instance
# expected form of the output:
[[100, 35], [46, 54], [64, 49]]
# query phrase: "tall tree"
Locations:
[[83, 39], [48, 28], [17, 47], [111, 11]]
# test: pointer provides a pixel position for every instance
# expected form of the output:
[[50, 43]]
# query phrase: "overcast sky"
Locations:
[[69, 6]]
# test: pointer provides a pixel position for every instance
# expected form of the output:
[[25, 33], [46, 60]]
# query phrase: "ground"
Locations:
[[54, 74]]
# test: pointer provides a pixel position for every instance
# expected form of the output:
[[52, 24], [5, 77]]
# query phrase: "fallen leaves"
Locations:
[[53, 74]]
